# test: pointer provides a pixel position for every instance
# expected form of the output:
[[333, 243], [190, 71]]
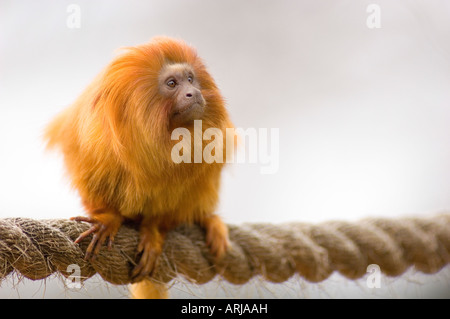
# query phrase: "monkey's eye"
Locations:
[[190, 78], [171, 83]]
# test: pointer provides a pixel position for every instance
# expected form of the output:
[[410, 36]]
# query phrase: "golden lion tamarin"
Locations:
[[116, 142]]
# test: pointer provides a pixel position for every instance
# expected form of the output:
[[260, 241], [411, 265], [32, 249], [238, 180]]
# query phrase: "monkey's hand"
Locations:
[[216, 235], [105, 225], [150, 247]]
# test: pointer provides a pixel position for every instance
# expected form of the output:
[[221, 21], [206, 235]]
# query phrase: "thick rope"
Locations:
[[38, 248]]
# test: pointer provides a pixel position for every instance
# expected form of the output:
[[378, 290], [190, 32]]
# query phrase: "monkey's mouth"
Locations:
[[194, 107]]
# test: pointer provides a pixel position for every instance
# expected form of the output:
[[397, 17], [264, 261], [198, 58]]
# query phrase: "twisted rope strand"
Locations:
[[38, 248]]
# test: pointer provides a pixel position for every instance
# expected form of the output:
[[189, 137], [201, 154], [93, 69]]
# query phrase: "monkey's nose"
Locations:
[[193, 95]]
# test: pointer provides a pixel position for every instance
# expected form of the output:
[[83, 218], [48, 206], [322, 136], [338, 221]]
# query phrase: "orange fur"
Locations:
[[117, 147]]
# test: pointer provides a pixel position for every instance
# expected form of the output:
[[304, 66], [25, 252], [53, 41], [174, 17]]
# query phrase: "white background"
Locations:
[[363, 114]]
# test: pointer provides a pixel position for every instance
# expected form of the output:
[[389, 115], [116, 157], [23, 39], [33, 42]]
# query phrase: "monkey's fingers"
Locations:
[[93, 248], [110, 242], [216, 236], [97, 242], [84, 219], [85, 234], [217, 245], [146, 263], [101, 233]]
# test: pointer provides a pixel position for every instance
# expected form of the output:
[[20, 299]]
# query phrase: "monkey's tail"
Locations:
[[147, 289]]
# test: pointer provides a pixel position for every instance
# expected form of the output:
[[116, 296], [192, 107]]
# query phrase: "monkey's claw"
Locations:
[[147, 262], [101, 232], [216, 236], [217, 245]]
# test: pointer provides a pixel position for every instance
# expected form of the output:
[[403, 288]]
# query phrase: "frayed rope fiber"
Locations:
[[38, 248]]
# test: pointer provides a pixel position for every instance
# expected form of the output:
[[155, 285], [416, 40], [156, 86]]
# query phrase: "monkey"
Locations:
[[116, 144]]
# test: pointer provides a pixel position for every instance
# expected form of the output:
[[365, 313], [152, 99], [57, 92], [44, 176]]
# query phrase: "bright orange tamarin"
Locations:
[[116, 141]]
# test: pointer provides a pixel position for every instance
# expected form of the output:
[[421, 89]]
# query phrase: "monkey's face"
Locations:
[[144, 94], [178, 83]]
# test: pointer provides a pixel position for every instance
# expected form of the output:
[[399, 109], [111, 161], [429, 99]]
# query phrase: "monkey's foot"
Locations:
[[102, 231], [216, 236], [150, 247]]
